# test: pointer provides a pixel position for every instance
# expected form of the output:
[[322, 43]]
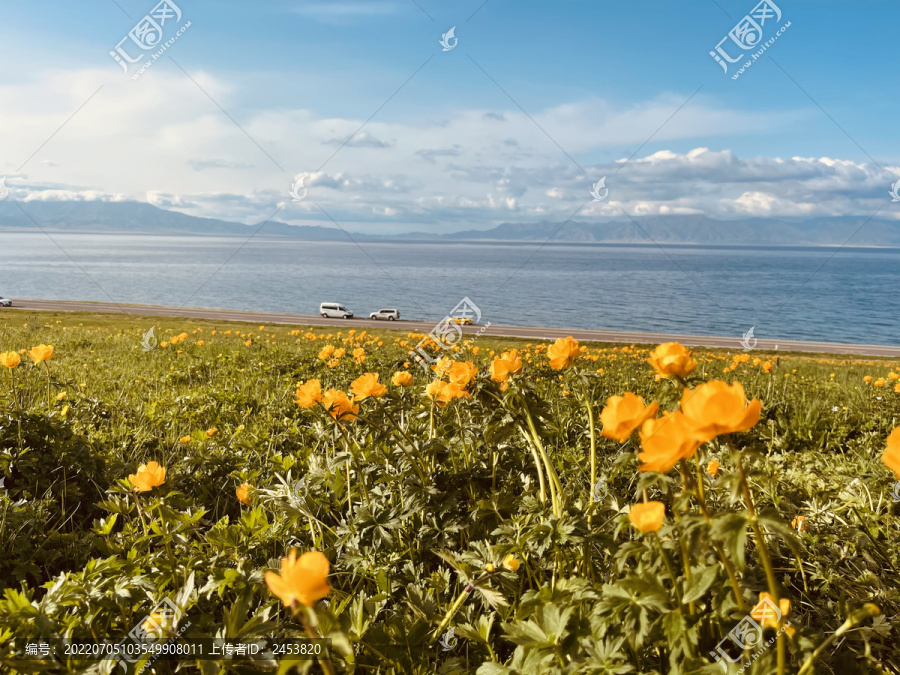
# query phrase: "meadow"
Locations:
[[521, 507]]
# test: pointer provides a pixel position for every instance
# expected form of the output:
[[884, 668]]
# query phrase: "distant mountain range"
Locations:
[[141, 218]]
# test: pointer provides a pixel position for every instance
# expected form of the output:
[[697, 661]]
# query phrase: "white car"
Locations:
[[5, 302], [334, 310], [389, 314]]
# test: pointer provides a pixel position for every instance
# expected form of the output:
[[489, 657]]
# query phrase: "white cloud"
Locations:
[[161, 140]]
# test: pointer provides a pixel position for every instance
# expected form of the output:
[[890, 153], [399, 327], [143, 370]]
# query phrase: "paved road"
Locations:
[[528, 332]]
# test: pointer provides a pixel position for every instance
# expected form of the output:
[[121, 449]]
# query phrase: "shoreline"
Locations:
[[400, 239], [495, 330]]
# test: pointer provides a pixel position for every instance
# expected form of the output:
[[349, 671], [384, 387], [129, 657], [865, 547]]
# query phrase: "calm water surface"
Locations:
[[851, 295]]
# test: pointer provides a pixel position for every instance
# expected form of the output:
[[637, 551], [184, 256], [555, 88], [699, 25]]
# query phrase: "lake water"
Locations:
[[822, 294]]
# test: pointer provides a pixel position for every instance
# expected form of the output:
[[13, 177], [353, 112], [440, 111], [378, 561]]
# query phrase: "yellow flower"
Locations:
[[880, 382], [339, 406], [672, 359], [893, 376], [489, 567], [716, 408], [764, 611], [367, 385], [799, 523], [326, 352], [665, 441], [359, 355], [308, 394], [511, 563], [647, 517], [338, 353], [186, 439], [303, 580], [623, 414], [461, 373], [505, 365], [867, 379], [563, 353], [248, 343], [402, 379], [10, 359], [41, 353], [148, 476], [891, 456], [243, 494], [211, 432], [713, 468], [443, 393]]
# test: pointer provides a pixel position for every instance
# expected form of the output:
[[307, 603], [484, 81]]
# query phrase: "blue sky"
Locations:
[[451, 150]]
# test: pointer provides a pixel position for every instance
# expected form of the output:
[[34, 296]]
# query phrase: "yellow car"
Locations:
[[461, 321]]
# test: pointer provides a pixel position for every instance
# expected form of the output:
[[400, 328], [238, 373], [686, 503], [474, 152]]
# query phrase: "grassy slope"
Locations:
[[815, 452]]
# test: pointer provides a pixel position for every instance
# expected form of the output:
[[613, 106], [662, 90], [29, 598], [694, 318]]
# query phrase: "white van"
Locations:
[[333, 310]]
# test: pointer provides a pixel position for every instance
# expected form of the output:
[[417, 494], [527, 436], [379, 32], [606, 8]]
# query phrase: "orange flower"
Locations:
[[647, 517], [623, 414], [563, 353], [461, 373], [308, 394], [880, 382], [443, 393], [867, 379], [212, 431], [891, 456], [402, 379], [10, 359], [303, 580], [326, 352], [713, 468], [505, 365], [716, 408], [766, 613], [665, 441], [367, 385], [511, 563], [148, 476], [339, 406], [186, 439], [243, 494], [799, 523], [41, 353], [672, 359]]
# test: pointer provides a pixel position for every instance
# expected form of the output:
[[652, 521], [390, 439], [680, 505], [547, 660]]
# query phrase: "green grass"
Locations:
[[592, 594]]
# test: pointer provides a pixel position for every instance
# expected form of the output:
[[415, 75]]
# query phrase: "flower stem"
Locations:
[[591, 425], [764, 556]]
